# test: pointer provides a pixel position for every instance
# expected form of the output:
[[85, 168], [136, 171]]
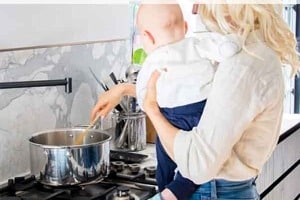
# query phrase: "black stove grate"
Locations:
[[140, 182], [21, 188]]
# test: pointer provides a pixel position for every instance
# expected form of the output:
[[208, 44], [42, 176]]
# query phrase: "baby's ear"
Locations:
[[186, 27], [150, 37]]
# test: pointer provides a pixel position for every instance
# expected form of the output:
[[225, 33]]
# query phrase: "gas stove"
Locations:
[[126, 181]]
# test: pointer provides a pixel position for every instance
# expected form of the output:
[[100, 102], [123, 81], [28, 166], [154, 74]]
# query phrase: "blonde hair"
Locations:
[[245, 18]]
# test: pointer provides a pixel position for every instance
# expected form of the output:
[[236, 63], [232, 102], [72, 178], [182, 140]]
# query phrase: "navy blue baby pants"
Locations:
[[183, 117]]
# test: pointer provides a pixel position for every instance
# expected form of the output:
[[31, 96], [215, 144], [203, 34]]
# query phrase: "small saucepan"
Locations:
[[59, 162]]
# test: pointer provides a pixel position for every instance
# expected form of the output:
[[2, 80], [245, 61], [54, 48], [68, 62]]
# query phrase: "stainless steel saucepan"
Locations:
[[58, 161]]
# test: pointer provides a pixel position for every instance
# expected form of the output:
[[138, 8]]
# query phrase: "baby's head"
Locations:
[[160, 24]]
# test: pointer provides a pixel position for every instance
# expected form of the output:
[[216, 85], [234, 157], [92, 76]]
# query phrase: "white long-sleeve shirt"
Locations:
[[189, 69], [241, 121]]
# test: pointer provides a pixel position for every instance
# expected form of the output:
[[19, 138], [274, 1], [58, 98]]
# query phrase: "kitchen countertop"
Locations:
[[150, 152], [290, 123]]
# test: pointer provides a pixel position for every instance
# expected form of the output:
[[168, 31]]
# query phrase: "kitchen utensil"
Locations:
[[79, 140], [113, 78], [132, 72], [58, 161], [101, 83], [121, 140], [132, 136], [120, 107]]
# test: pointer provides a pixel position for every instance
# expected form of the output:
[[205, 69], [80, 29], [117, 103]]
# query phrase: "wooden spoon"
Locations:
[[82, 135]]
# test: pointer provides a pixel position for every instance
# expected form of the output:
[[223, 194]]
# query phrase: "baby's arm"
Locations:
[[217, 47]]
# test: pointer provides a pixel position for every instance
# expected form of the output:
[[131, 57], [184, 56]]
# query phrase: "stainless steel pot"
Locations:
[[58, 161]]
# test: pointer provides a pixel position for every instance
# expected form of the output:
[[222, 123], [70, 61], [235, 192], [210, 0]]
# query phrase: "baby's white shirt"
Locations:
[[189, 69]]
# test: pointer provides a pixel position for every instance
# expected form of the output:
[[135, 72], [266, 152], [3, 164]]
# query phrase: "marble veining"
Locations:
[[25, 111]]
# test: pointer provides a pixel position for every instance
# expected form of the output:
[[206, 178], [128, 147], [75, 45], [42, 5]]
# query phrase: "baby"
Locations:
[[183, 87]]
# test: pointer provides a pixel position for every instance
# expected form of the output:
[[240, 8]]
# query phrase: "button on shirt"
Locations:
[[241, 121]]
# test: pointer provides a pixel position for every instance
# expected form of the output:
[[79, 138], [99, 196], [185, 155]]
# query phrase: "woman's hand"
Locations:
[[164, 129], [150, 103], [109, 99]]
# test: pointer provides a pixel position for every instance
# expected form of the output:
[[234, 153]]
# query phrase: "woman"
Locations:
[[240, 124]]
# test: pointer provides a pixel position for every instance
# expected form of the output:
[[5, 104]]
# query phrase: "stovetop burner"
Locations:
[[128, 182], [133, 172], [21, 188]]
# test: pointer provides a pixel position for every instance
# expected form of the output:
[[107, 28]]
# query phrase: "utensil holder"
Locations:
[[130, 131]]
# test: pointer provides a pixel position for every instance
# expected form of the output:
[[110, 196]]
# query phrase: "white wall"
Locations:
[[36, 25], [195, 26]]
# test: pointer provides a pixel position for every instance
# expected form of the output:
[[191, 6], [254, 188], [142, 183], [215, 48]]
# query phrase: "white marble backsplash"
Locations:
[[25, 111]]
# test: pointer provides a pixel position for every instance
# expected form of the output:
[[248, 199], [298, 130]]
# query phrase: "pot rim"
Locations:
[[68, 146]]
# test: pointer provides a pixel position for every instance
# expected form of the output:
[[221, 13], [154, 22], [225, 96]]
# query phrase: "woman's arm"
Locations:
[[109, 99], [160, 123], [236, 98]]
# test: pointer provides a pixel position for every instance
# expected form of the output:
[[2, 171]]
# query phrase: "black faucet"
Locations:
[[67, 82]]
